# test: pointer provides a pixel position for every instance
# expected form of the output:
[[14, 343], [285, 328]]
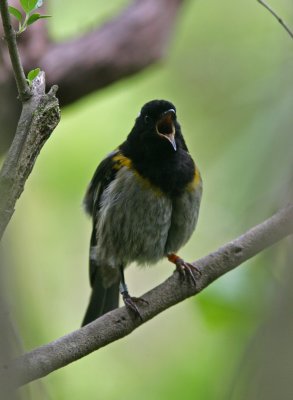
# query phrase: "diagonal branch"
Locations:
[[119, 323], [137, 38], [279, 19], [10, 36], [39, 117]]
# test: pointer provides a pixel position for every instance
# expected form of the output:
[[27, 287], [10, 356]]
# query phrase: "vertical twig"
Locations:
[[10, 36], [279, 19]]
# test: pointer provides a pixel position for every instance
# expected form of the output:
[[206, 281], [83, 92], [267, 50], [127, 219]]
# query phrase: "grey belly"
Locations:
[[142, 225], [185, 210], [133, 223]]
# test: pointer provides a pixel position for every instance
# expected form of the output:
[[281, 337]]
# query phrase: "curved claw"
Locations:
[[130, 303], [185, 269]]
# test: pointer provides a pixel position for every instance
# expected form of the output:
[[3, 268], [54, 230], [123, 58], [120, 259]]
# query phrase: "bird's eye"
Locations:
[[146, 119]]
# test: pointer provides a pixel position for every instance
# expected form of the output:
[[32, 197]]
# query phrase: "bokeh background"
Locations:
[[229, 73]]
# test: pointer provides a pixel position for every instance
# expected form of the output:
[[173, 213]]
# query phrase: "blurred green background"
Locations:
[[229, 73]]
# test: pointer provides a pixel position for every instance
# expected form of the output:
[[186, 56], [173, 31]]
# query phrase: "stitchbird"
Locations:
[[144, 201]]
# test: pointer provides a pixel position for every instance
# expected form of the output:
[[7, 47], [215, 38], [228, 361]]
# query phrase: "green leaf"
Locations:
[[28, 5], [15, 12], [34, 17], [33, 74]]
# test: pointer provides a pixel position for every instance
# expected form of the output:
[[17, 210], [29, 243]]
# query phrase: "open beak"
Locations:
[[166, 128]]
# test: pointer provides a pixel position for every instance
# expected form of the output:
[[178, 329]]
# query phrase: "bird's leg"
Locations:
[[130, 301], [184, 268]]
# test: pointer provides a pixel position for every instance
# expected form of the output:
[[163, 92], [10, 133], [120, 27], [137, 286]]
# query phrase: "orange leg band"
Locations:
[[173, 258]]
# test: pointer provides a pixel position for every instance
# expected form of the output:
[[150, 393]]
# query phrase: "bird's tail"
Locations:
[[102, 300]]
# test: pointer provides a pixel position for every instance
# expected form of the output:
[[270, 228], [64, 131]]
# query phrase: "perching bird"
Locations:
[[144, 201]]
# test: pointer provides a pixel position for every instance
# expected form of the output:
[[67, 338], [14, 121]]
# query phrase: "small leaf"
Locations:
[[33, 74], [34, 17], [15, 12], [28, 5]]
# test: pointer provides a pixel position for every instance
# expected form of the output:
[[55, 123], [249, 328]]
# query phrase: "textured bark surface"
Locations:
[[39, 117]]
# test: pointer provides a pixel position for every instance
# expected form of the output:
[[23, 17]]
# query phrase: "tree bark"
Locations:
[[39, 117]]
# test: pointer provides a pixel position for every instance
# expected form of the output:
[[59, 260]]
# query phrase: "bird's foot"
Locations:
[[185, 269], [131, 303]]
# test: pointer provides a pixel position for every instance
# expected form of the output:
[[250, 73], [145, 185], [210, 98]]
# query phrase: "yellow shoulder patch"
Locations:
[[121, 161], [195, 182]]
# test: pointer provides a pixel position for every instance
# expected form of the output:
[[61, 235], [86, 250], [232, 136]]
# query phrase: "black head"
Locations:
[[156, 129], [157, 149]]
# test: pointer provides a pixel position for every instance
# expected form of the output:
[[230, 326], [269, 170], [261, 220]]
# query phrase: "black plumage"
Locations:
[[144, 200]]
